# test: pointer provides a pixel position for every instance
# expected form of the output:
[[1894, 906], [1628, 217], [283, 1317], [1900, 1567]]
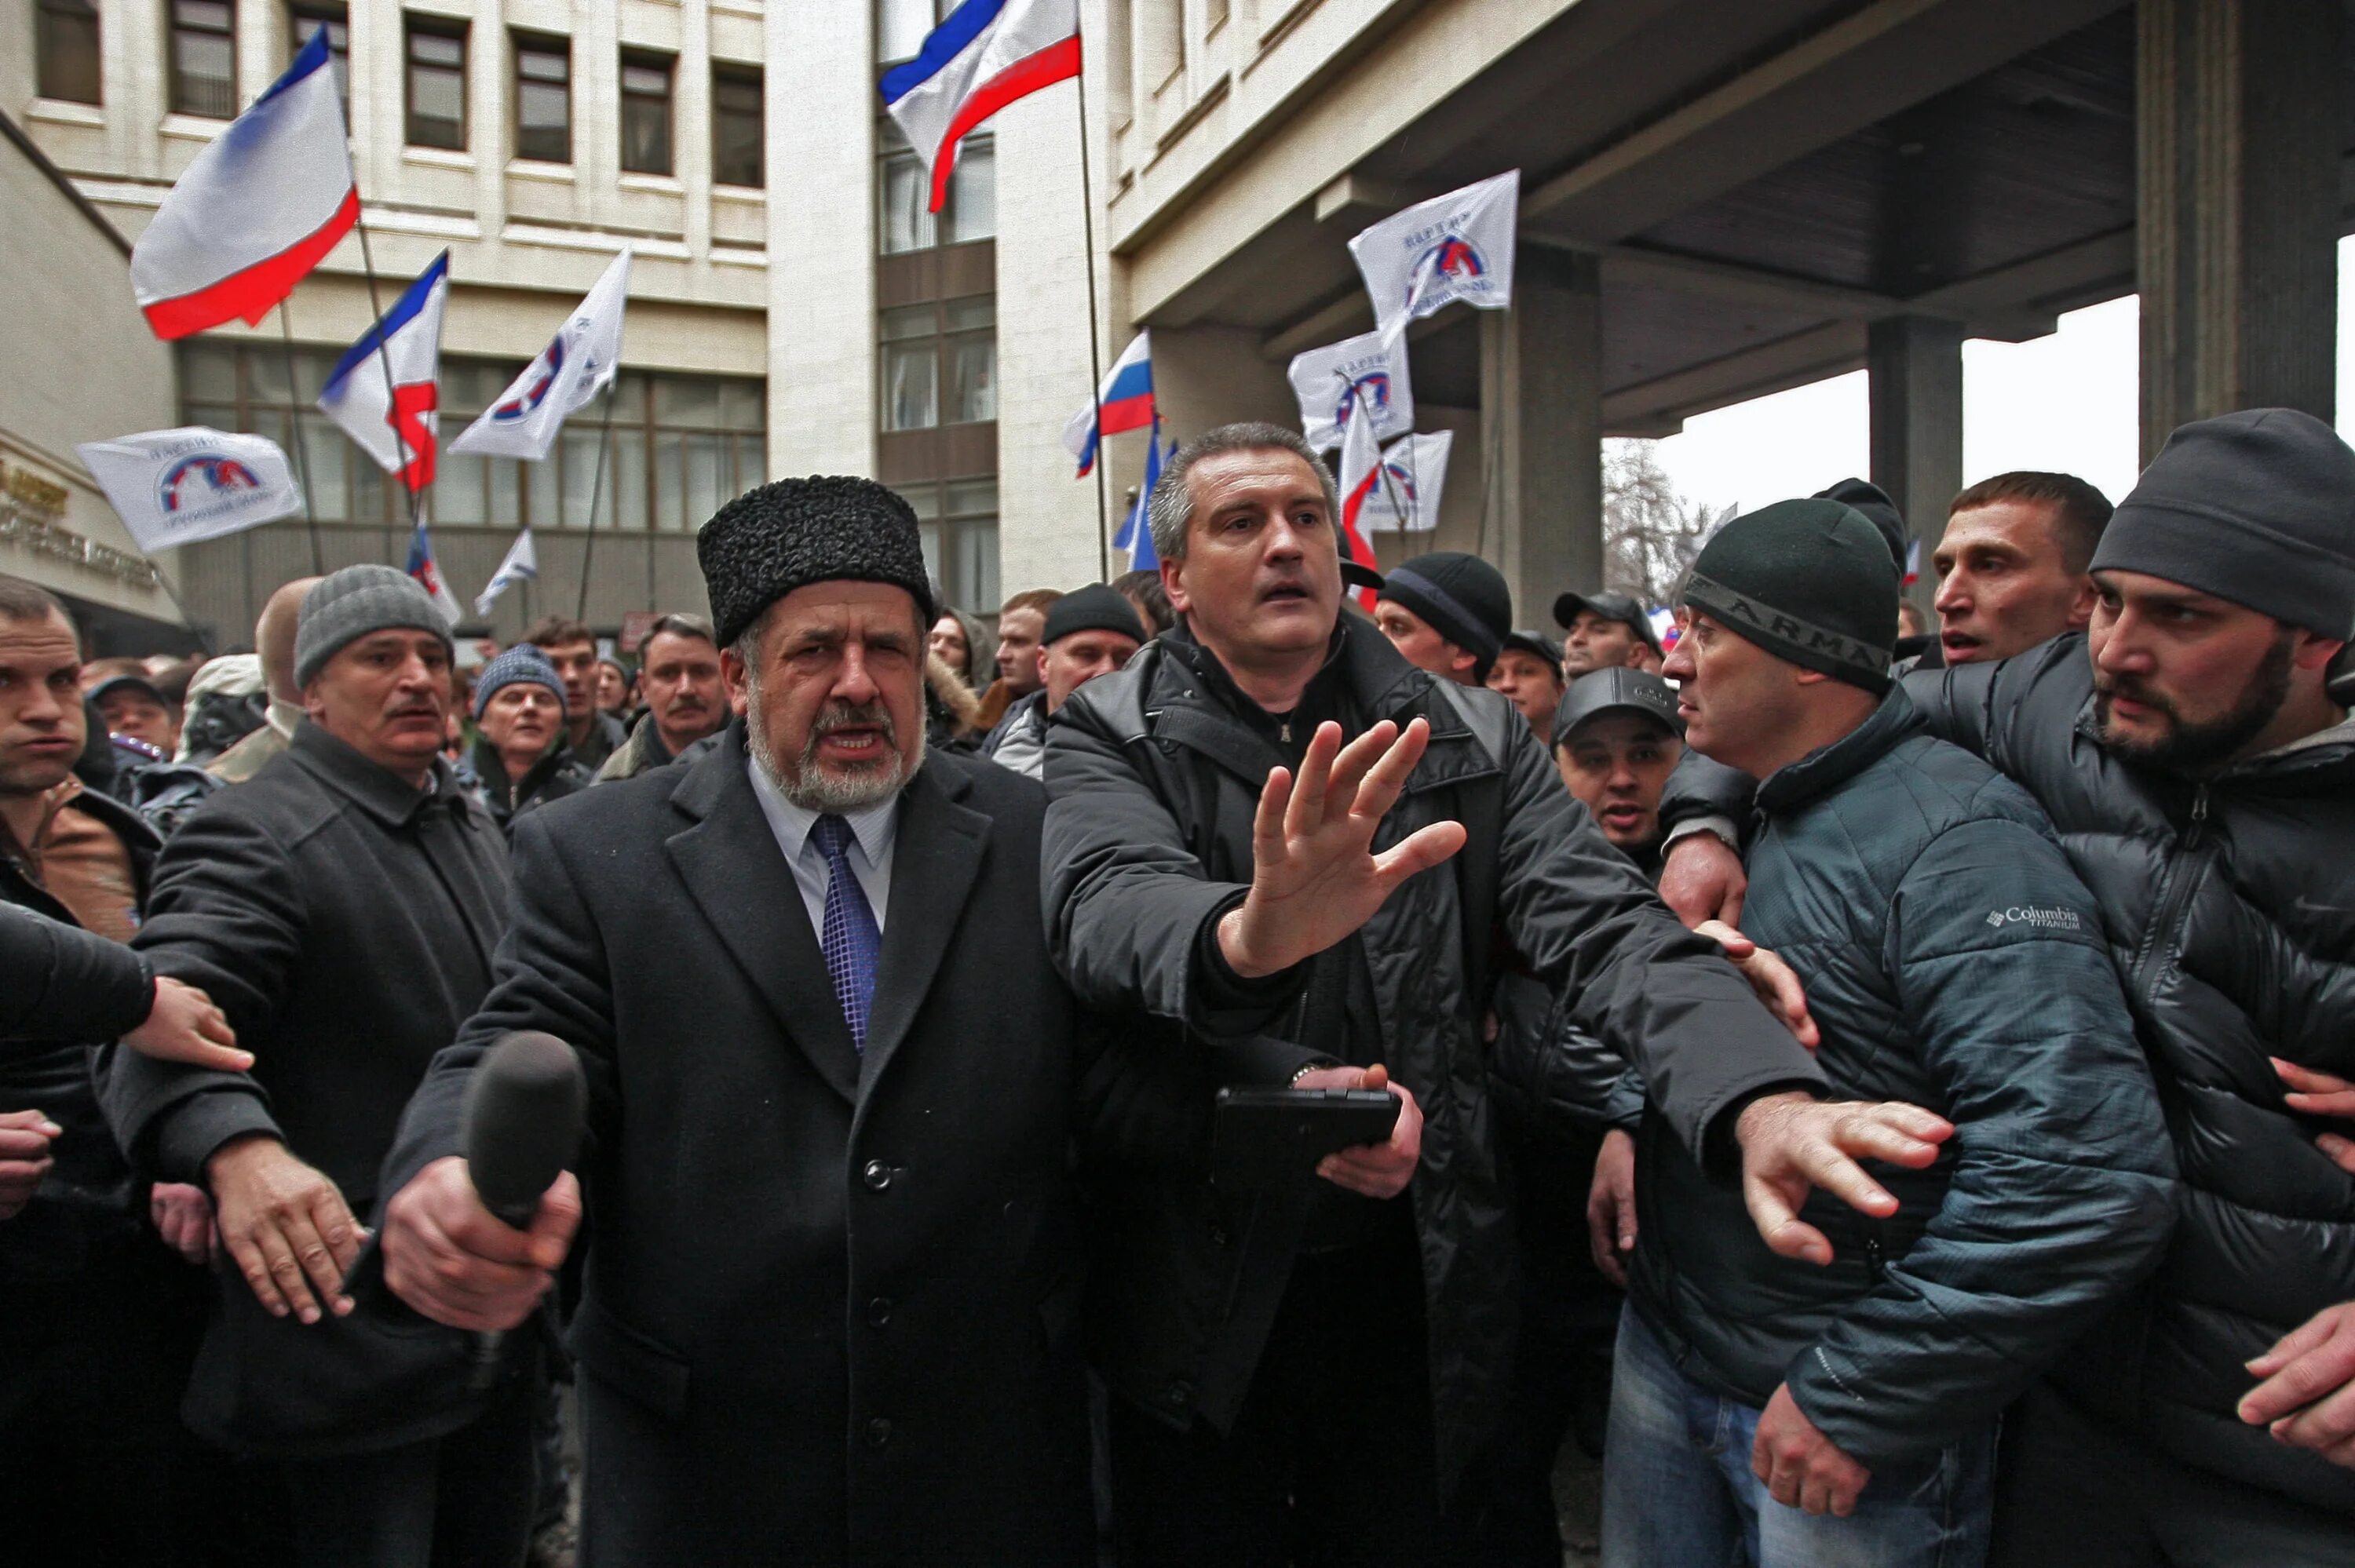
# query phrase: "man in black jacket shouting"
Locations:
[[1285, 854]]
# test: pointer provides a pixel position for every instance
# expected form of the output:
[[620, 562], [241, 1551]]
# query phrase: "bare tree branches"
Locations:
[[1650, 534]]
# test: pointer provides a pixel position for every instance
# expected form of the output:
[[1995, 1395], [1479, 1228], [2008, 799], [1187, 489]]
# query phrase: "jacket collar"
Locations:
[[729, 861], [492, 770], [376, 791], [1827, 767], [1196, 703]]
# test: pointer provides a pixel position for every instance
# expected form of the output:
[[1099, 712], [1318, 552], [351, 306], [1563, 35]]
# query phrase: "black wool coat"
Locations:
[[827, 1306], [344, 922]]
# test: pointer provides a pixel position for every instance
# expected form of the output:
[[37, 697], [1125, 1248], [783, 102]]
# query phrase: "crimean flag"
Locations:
[[396, 423], [259, 208], [985, 56]]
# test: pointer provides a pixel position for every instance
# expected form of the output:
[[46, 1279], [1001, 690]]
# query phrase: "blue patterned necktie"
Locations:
[[852, 940]]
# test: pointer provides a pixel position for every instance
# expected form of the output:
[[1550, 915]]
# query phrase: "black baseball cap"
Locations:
[[140, 684], [1637, 691], [1610, 606], [1538, 645]]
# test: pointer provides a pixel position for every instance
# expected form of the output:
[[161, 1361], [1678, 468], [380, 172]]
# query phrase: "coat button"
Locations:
[[877, 1175], [1218, 1236], [878, 1311], [878, 1432], [1180, 1394]]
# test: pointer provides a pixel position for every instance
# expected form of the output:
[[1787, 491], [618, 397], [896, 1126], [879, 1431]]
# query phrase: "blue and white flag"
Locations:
[[1358, 373], [579, 360], [1455, 247], [176, 487], [1414, 476], [521, 564], [1136, 533]]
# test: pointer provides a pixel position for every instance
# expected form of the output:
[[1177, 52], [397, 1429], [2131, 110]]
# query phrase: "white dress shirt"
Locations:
[[873, 830]]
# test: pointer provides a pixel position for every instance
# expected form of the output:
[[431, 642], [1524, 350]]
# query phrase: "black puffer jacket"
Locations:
[[1153, 778], [2230, 907]]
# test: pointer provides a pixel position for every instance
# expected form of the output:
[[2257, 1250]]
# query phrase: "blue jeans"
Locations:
[[1677, 1491]]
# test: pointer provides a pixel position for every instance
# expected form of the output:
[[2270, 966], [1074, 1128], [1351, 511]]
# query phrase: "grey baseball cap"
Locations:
[[1605, 691]]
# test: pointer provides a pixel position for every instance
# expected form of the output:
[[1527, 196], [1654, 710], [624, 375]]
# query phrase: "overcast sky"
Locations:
[[2064, 401]]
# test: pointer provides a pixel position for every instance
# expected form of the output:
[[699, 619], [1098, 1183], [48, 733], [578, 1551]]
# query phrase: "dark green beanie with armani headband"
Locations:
[[1809, 582]]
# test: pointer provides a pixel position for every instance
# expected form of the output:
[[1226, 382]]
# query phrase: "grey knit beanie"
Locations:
[[522, 664], [345, 606]]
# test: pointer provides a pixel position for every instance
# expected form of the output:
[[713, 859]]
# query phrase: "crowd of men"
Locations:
[[1882, 1091]]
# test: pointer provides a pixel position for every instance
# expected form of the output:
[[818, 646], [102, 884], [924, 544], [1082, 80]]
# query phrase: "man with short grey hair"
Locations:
[[830, 1309], [1243, 864], [686, 701]]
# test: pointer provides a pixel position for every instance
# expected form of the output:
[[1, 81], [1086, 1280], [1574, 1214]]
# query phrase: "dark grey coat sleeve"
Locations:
[[551, 974], [1627, 972], [2062, 1191], [1698, 786], [60, 982], [226, 914]]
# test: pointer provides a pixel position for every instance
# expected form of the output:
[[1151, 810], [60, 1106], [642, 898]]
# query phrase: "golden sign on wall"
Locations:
[[32, 505]]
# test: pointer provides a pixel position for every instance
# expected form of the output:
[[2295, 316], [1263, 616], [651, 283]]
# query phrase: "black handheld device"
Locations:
[[1269, 1137]]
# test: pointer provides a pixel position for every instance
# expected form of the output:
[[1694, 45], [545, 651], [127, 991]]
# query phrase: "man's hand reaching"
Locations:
[[1790, 1143], [1315, 878], [1776, 983], [184, 1026]]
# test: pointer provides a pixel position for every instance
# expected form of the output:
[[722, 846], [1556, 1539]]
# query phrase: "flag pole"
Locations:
[[596, 489], [302, 456], [1095, 347]]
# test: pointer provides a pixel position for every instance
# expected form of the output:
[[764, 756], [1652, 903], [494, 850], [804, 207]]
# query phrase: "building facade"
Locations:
[[793, 308]]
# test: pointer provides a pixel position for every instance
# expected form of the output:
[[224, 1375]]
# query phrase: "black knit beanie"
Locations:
[[2257, 507], [1095, 608], [1461, 597], [792, 531], [1872, 504], [1807, 581]]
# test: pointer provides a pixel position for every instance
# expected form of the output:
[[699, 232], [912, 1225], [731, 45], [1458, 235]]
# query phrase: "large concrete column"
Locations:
[[1541, 420], [2238, 119], [1916, 370]]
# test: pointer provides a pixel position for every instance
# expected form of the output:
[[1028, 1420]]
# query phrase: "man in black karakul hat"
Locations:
[[828, 1313]]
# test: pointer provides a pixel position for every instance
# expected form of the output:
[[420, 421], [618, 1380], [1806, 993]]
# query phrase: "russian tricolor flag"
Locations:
[[1126, 400], [259, 208], [987, 54]]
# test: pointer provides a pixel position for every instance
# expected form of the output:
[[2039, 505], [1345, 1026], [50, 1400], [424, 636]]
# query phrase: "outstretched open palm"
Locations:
[[1315, 878]]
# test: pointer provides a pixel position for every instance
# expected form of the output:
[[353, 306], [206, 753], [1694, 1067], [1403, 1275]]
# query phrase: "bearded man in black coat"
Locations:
[[832, 1078]]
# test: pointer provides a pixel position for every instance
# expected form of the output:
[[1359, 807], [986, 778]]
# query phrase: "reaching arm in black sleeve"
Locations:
[[226, 915], [1629, 973], [60, 982]]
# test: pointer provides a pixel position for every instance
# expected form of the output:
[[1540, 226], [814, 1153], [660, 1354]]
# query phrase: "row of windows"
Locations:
[[435, 59], [682, 445]]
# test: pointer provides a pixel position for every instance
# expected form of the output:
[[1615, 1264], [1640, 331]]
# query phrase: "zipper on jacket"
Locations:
[[1874, 1263], [2176, 881]]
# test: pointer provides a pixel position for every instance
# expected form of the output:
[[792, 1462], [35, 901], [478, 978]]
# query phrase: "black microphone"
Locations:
[[520, 1126]]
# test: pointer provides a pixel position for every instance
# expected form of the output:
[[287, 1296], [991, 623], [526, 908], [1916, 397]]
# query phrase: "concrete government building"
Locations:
[[1721, 198]]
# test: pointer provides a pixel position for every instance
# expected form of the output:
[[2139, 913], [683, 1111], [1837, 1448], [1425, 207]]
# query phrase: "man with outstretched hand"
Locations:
[[1280, 853]]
